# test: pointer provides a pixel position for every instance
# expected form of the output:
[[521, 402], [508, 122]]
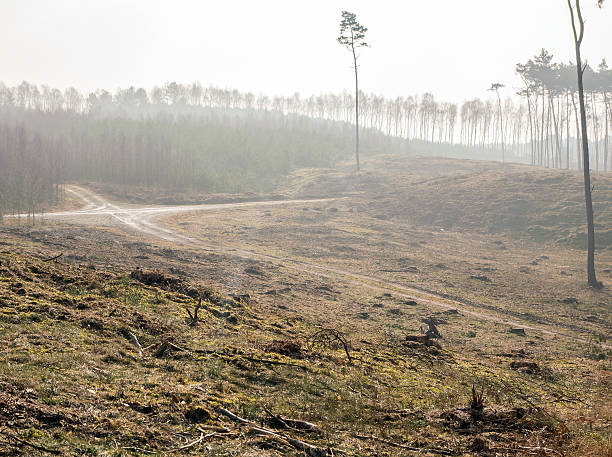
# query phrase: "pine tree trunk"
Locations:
[[592, 278], [607, 131], [356, 108]]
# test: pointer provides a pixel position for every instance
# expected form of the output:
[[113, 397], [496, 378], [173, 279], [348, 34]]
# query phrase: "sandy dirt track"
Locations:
[[142, 219]]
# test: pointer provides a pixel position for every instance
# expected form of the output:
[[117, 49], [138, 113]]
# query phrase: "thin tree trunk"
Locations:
[[607, 130], [578, 136], [356, 104], [595, 131], [542, 129], [557, 156], [531, 131], [501, 128], [592, 278], [567, 125]]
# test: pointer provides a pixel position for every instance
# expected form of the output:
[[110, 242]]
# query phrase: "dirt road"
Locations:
[[142, 219]]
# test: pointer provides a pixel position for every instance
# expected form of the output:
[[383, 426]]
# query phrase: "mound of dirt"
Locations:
[[287, 348]]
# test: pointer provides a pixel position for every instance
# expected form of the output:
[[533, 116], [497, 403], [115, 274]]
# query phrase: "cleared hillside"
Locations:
[[463, 195], [75, 381], [283, 289]]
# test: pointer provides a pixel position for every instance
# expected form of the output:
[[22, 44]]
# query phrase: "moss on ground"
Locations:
[[73, 382]]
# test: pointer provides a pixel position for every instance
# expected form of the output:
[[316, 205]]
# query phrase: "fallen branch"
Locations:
[[214, 428], [165, 346], [194, 442], [139, 449], [193, 318], [530, 450], [161, 350], [294, 424], [128, 335], [301, 425], [32, 445], [269, 434], [132, 338], [275, 362], [233, 417], [277, 418], [327, 336], [264, 431], [425, 340], [308, 449], [51, 259], [403, 446]]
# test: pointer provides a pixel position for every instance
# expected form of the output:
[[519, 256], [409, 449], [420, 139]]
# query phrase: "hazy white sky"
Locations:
[[453, 48]]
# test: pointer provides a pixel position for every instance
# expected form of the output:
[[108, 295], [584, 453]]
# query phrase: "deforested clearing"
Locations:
[[383, 231]]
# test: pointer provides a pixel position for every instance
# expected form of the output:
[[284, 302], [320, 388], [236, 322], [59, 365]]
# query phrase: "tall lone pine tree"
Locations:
[[352, 36]]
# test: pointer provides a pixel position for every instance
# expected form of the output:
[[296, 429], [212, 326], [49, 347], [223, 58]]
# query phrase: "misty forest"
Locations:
[[203, 138], [188, 269]]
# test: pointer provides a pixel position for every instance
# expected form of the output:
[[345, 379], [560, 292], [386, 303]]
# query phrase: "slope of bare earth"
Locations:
[[379, 230], [270, 278]]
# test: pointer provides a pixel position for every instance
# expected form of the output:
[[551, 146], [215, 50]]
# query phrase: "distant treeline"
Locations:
[[31, 170], [539, 128], [550, 121], [210, 139], [173, 146]]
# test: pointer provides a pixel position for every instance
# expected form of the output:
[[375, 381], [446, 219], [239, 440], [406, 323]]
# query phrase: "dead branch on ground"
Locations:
[[294, 424], [326, 337], [403, 446], [51, 259], [132, 339], [538, 450], [193, 318], [232, 416], [139, 449], [307, 449], [423, 339], [29, 444], [166, 345]]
